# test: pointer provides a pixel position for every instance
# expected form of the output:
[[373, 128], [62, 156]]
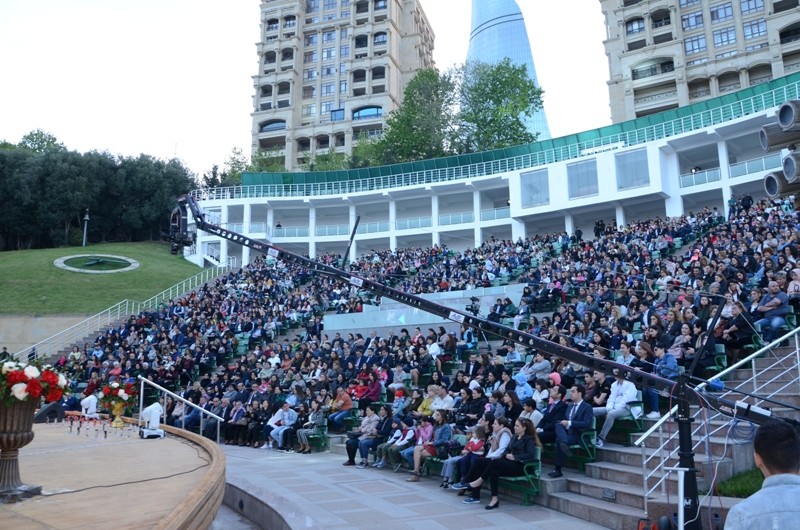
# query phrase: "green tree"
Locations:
[[328, 161], [40, 141], [366, 152], [424, 125], [236, 164], [493, 100], [269, 161]]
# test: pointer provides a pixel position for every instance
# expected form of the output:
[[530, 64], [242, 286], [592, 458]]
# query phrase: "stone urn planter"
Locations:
[[16, 431]]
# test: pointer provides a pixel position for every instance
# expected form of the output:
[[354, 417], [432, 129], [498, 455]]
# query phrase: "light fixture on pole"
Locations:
[[85, 225]]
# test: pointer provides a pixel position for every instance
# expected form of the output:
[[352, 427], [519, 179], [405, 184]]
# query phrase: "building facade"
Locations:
[[498, 31], [332, 70], [666, 164], [665, 54]]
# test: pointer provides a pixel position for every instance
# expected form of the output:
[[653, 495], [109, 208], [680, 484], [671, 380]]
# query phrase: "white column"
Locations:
[[392, 221], [354, 248], [620, 214], [270, 228], [223, 245], [569, 224], [674, 206], [246, 230], [312, 232], [476, 212], [517, 230], [435, 219]]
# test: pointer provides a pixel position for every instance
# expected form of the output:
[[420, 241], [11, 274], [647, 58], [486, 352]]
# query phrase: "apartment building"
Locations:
[[332, 70], [665, 54]]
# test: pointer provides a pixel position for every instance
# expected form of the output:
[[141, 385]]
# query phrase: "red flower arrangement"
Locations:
[[115, 392], [20, 382]]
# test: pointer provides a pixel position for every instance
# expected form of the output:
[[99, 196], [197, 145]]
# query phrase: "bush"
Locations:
[[742, 485]]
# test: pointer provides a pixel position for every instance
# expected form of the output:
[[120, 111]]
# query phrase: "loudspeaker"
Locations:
[[54, 411]]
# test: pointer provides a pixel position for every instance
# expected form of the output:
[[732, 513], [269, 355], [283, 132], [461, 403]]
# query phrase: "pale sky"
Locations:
[[174, 77]]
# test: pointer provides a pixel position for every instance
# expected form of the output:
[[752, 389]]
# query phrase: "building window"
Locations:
[[328, 70], [329, 4], [328, 36], [692, 21], [309, 57], [342, 87], [535, 187], [273, 24], [309, 110], [582, 179], [328, 54], [694, 44], [756, 28], [721, 13], [345, 14], [344, 33], [309, 73], [724, 37], [687, 3], [751, 6], [337, 115], [312, 6], [380, 39], [309, 92], [632, 27], [632, 170], [344, 51], [310, 40], [327, 89], [325, 108], [367, 113]]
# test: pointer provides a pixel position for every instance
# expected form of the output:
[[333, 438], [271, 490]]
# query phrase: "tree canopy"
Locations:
[[47, 190], [469, 108]]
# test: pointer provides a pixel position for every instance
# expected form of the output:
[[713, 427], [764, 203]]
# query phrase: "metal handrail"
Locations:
[[664, 453], [203, 412], [51, 345]]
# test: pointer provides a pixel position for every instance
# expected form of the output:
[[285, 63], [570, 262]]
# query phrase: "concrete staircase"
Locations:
[[612, 490]]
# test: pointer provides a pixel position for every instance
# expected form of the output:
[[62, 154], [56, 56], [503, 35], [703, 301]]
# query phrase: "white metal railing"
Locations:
[[648, 133], [766, 387], [164, 392], [50, 346]]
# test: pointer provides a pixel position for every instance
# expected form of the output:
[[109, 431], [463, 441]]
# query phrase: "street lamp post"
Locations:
[[85, 225]]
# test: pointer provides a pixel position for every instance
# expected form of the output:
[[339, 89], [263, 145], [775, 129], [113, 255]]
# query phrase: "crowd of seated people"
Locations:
[[626, 294]]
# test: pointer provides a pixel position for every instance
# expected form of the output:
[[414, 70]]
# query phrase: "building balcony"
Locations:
[[456, 218], [495, 214], [756, 165], [656, 98], [700, 177], [413, 223], [652, 70], [373, 227], [332, 230]]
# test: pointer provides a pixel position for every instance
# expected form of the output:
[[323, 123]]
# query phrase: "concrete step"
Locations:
[[632, 476], [606, 491], [777, 373], [607, 514]]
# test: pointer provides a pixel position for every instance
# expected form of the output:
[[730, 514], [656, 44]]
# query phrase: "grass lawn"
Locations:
[[31, 285]]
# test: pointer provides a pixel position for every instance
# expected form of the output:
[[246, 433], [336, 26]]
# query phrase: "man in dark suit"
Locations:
[[553, 415], [473, 366], [579, 417]]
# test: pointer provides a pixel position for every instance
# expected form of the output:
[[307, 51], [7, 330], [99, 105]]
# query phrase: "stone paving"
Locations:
[[316, 491]]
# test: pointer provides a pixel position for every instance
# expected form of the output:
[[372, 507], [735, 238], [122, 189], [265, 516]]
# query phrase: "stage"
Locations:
[[116, 482]]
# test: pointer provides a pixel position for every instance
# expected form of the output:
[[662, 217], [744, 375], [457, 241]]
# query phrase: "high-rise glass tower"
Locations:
[[498, 31]]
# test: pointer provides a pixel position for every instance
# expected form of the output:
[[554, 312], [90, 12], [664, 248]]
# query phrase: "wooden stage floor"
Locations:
[[91, 482]]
